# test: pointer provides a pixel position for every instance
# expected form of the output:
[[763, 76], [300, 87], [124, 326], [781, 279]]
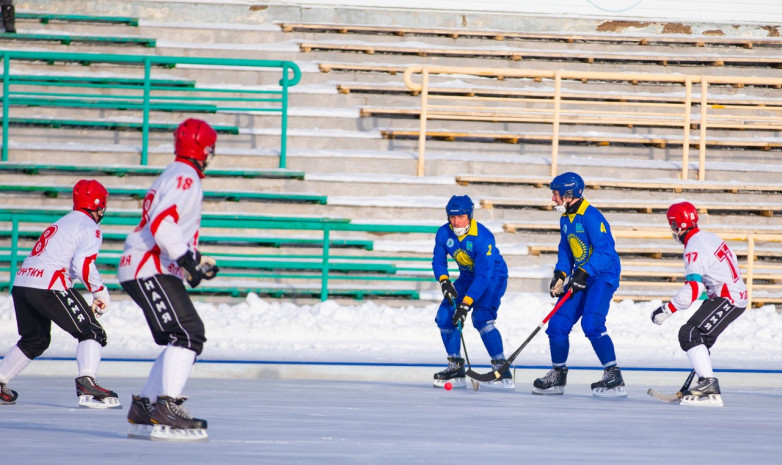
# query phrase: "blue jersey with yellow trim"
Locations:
[[586, 242], [475, 253]]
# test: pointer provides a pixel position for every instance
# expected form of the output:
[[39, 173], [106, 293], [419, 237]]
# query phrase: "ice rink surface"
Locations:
[[281, 421]]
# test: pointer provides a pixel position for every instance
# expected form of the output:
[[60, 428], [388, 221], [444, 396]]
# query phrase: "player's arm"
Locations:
[[83, 264]]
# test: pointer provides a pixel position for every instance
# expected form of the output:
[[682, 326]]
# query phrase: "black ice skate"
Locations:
[[91, 395], [505, 383], [612, 384], [552, 384], [705, 394], [140, 418], [9, 18], [173, 421], [7, 396], [454, 374]]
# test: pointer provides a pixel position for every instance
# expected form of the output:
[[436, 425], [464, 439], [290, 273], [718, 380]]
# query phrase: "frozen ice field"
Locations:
[[281, 421]]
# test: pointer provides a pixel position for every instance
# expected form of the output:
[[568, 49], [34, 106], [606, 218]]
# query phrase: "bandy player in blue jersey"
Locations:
[[587, 255], [483, 278]]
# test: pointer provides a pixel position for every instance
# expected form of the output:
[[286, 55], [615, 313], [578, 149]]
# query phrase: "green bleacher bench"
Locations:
[[104, 103], [67, 39], [45, 18], [139, 193], [122, 170], [97, 81], [107, 125]]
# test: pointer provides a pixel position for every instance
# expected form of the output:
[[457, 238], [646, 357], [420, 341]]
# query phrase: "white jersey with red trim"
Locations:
[[170, 218], [66, 250], [710, 266]]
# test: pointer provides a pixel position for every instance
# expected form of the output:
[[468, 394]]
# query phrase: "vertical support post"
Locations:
[[750, 266], [6, 103], [324, 275], [14, 259], [145, 106], [422, 119], [284, 122], [702, 145], [555, 122], [687, 122]]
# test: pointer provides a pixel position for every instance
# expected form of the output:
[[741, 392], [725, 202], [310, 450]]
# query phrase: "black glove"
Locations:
[[461, 313], [196, 267], [557, 286], [449, 292], [578, 281]]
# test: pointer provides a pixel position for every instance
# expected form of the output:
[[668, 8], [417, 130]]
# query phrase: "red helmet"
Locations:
[[682, 216], [195, 139], [89, 195]]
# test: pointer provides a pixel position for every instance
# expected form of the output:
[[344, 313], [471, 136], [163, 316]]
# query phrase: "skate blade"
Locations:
[[711, 400], [602, 392], [87, 401], [501, 385], [456, 383], [167, 433], [552, 391], [140, 431]]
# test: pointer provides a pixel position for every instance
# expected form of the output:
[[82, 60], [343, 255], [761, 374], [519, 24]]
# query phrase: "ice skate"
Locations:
[[552, 384], [612, 384], [91, 395], [454, 374], [505, 383], [705, 394], [172, 421], [7, 396], [140, 418]]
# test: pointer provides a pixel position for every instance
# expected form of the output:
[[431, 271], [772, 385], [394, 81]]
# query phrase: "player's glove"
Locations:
[[461, 313], [557, 286], [449, 292], [196, 267], [661, 313], [578, 281], [100, 303]]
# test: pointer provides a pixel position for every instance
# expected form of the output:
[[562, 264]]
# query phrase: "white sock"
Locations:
[[88, 354], [176, 368], [701, 361], [154, 384], [13, 362]]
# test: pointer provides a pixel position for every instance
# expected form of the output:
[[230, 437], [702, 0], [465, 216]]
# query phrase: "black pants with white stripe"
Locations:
[[36, 309], [708, 322], [170, 313]]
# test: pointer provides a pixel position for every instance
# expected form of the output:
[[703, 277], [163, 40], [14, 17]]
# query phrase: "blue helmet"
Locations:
[[459, 205], [568, 185]]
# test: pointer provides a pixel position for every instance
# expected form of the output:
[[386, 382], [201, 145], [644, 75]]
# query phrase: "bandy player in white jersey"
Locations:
[[711, 267], [158, 255], [43, 293]]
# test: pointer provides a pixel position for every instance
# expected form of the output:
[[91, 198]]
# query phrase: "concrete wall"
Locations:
[[749, 17]]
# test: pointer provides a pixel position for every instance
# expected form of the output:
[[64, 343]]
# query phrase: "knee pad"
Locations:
[[33, 348], [689, 337]]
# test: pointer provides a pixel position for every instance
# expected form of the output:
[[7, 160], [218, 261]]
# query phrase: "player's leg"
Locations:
[[597, 302], [484, 317], [34, 331], [558, 332], [454, 373], [696, 337]]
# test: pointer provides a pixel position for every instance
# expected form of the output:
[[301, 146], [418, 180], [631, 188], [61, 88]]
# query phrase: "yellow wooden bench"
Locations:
[[636, 184], [498, 35]]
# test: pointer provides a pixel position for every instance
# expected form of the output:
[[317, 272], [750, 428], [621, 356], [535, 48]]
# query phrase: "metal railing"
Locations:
[[140, 100], [565, 98]]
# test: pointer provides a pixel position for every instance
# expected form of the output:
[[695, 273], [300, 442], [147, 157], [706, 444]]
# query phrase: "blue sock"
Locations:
[[493, 342], [451, 340], [604, 348], [560, 349]]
